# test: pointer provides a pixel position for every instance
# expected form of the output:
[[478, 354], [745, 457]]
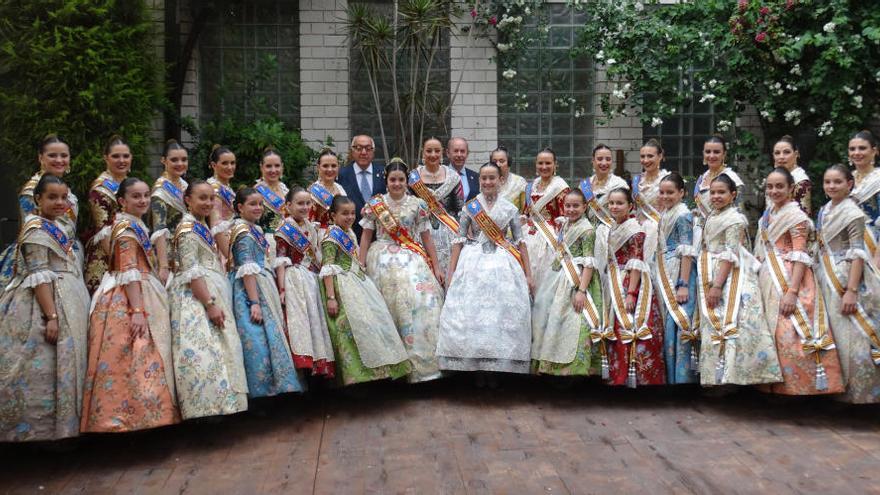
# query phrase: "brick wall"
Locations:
[[324, 73], [156, 11]]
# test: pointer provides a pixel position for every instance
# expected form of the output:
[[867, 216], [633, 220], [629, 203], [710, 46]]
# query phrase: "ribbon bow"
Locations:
[[603, 333], [728, 333], [823, 343], [690, 335], [629, 336]]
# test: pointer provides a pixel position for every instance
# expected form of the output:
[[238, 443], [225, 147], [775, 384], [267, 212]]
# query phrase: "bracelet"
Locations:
[[211, 302], [53, 316], [582, 291], [632, 293], [850, 289], [134, 311], [250, 303], [331, 298], [680, 283]]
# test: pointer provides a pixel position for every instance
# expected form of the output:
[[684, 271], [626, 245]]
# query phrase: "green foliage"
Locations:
[[83, 69]]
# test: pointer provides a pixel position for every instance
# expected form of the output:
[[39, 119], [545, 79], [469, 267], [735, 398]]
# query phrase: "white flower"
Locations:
[[656, 122], [579, 112], [796, 70], [767, 115], [610, 61], [790, 87], [503, 47], [527, 11], [619, 94], [713, 83], [829, 28], [509, 74], [826, 128], [601, 55], [778, 85], [724, 125], [848, 90], [858, 101], [793, 116], [707, 97]]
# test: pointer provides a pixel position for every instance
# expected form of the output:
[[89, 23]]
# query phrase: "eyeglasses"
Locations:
[[362, 148]]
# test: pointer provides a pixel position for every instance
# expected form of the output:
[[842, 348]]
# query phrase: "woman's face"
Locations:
[[650, 158], [432, 152], [778, 189], [619, 206], [489, 178], [602, 162], [55, 159], [713, 155], [836, 185], [396, 183], [300, 205], [176, 163], [136, 201], [344, 216], [861, 153], [118, 161], [328, 168], [500, 159], [201, 200], [252, 208], [784, 155], [669, 194], [545, 165], [224, 167], [720, 195], [53, 201], [271, 168]]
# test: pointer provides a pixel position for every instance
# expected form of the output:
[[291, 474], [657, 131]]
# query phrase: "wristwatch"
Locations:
[[211, 302], [250, 303]]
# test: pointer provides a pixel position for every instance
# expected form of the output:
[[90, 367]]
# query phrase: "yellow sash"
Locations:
[[395, 230], [722, 330], [634, 326]]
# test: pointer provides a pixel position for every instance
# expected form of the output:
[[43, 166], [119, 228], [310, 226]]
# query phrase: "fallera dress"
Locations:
[[208, 365], [546, 202], [41, 384], [399, 265], [268, 361], [129, 380], [103, 208], [866, 194], [448, 194], [167, 208]]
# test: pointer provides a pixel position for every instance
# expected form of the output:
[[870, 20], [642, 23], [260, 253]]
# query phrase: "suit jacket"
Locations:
[[348, 179], [473, 179]]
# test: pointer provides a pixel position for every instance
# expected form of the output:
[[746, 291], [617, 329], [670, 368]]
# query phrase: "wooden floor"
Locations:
[[449, 437]]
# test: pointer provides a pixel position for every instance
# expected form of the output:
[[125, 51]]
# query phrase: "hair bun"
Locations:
[[215, 147], [170, 141]]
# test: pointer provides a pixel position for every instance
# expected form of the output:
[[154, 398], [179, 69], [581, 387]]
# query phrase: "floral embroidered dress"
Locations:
[[268, 361], [597, 211], [365, 340], [681, 339], [103, 207], [130, 380], [166, 210], [867, 195], [701, 198], [208, 366], [636, 357], [513, 189], [41, 384], [447, 194], [561, 338], [841, 230], [398, 264], [27, 206], [803, 340], [274, 210], [485, 324], [737, 347], [297, 249], [646, 194], [322, 197], [802, 190], [223, 213], [543, 204], [601, 190]]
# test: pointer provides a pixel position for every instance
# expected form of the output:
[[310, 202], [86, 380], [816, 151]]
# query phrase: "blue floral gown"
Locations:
[[267, 358]]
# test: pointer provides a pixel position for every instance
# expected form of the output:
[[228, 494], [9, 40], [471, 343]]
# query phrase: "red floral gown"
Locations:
[[103, 207], [650, 366]]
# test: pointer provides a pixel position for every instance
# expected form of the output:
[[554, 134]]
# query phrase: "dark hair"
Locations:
[[491, 164], [45, 181], [726, 180], [626, 192], [267, 152], [50, 139], [502, 149], [652, 143], [326, 152], [170, 146], [577, 192], [396, 165], [193, 185], [843, 169], [598, 147], [217, 151], [715, 138], [292, 192], [785, 173], [867, 136], [432, 138], [547, 149], [115, 140], [339, 201], [788, 139], [125, 185], [676, 179], [242, 195]]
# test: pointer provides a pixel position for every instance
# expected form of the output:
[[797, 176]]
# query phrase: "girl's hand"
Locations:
[[332, 307], [163, 274], [578, 301], [848, 302], [138, 325], [438, 274], [713, 297], [788, 303], [681, 295], [52, 331], [531, 283], [630, 303], [256, 313], [281, 295], [216, 316]]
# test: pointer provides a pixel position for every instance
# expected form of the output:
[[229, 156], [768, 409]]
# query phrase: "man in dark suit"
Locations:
[[362, 179], [457, 153]]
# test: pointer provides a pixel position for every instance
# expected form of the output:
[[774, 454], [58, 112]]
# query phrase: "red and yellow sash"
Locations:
[[492, 231], [424, 192], [395, 229]]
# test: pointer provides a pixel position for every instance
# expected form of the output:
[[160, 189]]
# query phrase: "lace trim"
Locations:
[[249, 268], [685, 250], [331, 270], [459, 240], [636, 264], [728, 255], [39, 278], [129, 276], [585, 261], [798, 256], [281, 261], [221, 227], [852, 254], [158, 234], [101, 235], [193, 273]]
